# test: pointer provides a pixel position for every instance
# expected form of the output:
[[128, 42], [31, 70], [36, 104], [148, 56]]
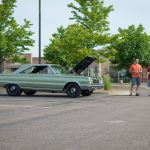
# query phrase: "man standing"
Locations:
[[136, 70], [148, 75]]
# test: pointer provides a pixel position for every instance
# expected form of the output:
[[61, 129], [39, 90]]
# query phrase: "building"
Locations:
[[94, 70]]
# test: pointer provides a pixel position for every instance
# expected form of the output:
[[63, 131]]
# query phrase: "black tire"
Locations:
[[29, 93], [73, 90], [86, 92], [13, 90]]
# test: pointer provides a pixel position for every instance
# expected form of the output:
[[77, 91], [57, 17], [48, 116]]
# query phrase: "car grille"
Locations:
[[95, 80]]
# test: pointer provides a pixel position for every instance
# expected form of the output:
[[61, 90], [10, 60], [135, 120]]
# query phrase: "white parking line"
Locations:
[[28, 106], [25, 106], [116, 121]]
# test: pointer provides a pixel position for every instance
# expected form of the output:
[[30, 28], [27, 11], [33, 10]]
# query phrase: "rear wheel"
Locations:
[[86, 92], [29, 92], [73, 90], [13, 90]]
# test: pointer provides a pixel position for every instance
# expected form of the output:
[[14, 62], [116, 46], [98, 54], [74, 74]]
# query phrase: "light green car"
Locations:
[[30, 78]]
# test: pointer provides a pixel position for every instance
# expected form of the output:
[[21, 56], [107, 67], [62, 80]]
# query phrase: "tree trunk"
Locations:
[[1, 66]]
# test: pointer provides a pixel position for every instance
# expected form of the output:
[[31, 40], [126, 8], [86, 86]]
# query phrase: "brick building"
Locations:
[[95, 70]]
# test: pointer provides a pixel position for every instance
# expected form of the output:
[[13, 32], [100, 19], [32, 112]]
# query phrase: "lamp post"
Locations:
[[39, 31]]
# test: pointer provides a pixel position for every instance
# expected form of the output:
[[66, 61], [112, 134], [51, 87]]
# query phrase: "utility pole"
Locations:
[[39, 31]]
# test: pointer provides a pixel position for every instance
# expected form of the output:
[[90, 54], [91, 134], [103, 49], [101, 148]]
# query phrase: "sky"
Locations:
[[55, 13]]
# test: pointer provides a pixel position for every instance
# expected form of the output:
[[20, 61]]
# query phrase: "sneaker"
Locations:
[[137, 94]]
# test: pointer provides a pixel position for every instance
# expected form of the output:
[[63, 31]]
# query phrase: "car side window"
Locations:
[[43, 71], [37, 70], [27, 71], [50, 71]]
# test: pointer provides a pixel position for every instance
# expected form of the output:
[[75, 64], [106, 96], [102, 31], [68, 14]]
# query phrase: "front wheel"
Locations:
[[86, 92], [13, 90], [73, 90]]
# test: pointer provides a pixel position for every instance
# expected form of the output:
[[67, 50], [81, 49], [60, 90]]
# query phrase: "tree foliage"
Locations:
[[14, 38], [88, 33], [67, 45], [130, 43], [91, 14]]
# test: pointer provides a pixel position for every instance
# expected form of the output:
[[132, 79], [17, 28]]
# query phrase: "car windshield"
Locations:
[[59, 69]]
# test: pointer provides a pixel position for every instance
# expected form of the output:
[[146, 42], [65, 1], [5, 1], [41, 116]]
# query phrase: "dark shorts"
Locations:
[[148, 83], [136, 81]]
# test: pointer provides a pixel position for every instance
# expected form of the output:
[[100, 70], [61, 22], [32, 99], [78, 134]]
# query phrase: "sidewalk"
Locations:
[[121, 89]]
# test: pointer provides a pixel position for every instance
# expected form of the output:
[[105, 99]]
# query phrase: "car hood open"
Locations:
[[82, 65]]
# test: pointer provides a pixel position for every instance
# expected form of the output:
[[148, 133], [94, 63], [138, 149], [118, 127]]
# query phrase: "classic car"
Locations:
[[30, 78]]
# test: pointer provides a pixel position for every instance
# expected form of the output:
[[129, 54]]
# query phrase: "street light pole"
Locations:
[[39, 31]]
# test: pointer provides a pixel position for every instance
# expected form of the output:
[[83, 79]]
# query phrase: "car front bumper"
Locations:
[[92, 87]]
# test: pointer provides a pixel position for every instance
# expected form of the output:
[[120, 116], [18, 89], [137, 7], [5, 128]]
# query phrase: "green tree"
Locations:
[[92, 15], [14, 38], [82, 38], [67, 46], [130, 43]]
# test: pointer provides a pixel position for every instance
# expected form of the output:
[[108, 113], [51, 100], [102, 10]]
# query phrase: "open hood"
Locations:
[[82, 65]]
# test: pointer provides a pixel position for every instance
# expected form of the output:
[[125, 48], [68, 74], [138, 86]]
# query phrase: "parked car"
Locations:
[[30, 78]]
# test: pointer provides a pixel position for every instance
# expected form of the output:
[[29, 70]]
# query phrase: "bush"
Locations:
[[107, 82]]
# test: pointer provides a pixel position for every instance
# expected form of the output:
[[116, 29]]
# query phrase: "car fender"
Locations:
[[71, 82], [7, 84]]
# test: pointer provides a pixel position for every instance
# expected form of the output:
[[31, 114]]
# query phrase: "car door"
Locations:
[[39, 78], [45, 79]]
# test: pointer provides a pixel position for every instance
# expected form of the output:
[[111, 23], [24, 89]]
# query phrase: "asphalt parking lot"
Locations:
[[55, 122]]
